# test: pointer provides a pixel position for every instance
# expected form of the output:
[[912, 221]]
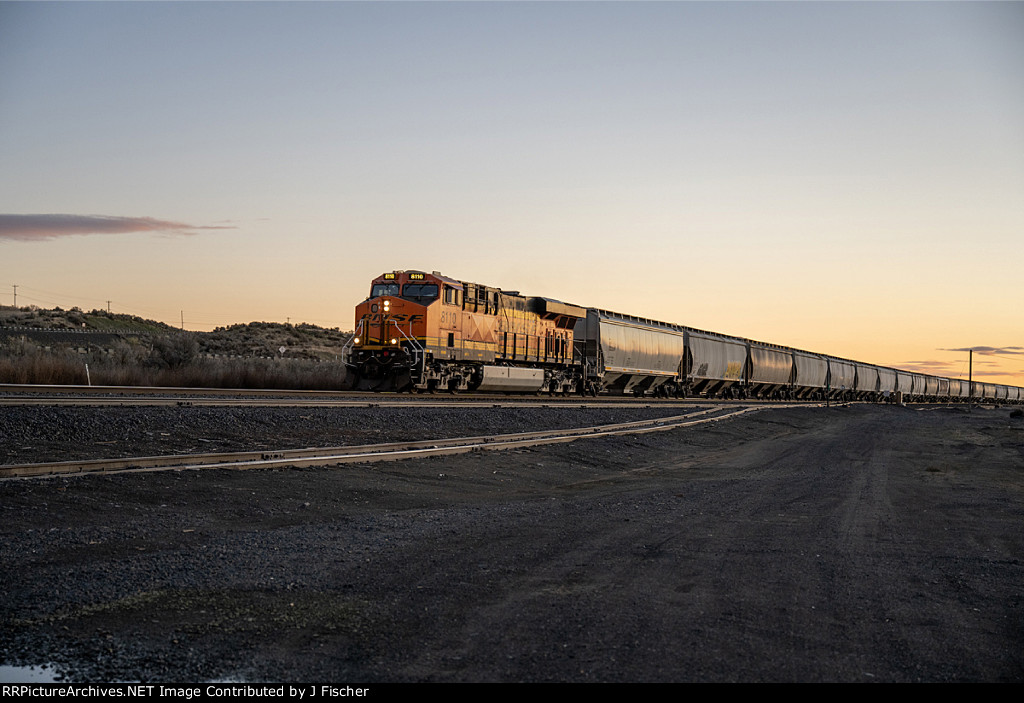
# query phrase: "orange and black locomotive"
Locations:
[[424, 331]]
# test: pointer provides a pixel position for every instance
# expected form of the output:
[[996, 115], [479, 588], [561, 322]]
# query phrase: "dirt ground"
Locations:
[[860, 543]]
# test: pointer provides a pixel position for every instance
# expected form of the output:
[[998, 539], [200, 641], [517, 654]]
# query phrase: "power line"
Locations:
[[59, 299]]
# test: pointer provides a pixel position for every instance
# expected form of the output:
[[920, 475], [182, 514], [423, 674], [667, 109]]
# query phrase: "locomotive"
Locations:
[[421, 331], [427, 332]]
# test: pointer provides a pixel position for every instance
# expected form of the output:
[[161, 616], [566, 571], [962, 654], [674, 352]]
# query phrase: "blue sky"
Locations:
[[841, 177]]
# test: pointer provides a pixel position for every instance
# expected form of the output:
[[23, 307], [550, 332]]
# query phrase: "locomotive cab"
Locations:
[[390, 339]]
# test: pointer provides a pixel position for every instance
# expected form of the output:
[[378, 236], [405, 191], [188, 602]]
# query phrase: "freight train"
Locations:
[[421, 331]]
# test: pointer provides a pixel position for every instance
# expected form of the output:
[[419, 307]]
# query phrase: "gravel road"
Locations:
[[860, 543]]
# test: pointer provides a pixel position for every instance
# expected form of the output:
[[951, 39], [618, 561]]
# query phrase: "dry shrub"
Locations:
[[173, 363], [42, 368]]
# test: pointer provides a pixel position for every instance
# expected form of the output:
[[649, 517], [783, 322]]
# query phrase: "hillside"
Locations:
[[259, 339], [268, 338], [76, 319]]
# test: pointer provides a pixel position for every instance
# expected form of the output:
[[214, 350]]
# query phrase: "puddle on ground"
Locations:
[[27, 674]]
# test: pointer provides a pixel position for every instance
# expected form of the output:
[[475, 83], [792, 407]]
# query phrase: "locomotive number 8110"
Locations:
[[424, 331]]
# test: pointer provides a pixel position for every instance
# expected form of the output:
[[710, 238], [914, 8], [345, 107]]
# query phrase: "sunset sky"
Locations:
[[846, 178]]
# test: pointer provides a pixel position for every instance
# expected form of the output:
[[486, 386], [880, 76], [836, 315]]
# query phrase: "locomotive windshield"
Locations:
[[419, 291], [380, 289]]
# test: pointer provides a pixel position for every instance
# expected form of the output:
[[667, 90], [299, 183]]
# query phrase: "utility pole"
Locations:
[[15, 295], [108, 307], [970, 377], [182, 320]]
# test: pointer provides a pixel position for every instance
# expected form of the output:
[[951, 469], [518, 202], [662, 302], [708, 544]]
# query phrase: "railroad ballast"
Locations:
[[421, 331]]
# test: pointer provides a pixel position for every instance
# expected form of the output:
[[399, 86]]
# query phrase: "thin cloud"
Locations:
[[940, 368], [954, 369], [988, 374], [989, 350], [34, 228]]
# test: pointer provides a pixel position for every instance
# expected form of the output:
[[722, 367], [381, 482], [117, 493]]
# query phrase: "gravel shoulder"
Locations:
[[54, 433], [858, 543]]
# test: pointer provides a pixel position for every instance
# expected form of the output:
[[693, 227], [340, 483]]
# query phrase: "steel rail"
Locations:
[[366, 453], [424, 402], [35, 388]]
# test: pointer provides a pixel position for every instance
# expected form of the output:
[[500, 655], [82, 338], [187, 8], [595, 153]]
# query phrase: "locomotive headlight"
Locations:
[[356, 340], [387, 305], [394, 341]]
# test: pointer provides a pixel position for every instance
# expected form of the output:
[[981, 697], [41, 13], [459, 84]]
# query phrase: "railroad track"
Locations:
[[99, 396], [377, 402], [78, 390], [373, 452]]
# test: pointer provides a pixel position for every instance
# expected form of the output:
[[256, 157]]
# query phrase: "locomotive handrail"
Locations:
[[417, 348], [346, 350]]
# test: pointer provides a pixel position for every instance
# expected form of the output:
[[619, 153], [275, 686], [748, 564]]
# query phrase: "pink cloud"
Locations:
[[989, 350], [30, 228]]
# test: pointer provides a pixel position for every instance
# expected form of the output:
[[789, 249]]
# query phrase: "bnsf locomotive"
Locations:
[[424, 331]]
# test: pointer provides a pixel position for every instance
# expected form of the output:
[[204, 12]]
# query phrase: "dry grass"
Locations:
[[172, 362]]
